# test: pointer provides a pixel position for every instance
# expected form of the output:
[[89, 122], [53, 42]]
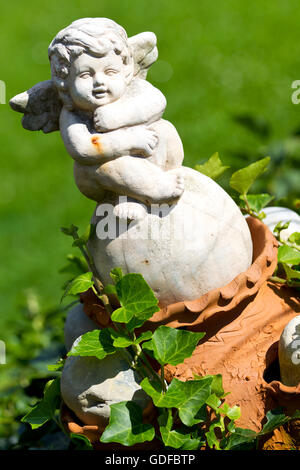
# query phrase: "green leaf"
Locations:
[[256, 202], [126, 425], [89, 232], [96, 343], [287, 254], [144, 336], [110, 289], [214, 402], [291, 273], [280, 226], [120, 339], [275, 419], [116, 274], [44, 410], [76, 265], [70, 231], [172, 346], [295, 238], [239, 438], [83, 239], [177, 440], [136, 299], [188, 397], [242, 179], [234, 413], [81, 283], [58, 366], [216, 385], [213, 168], [81, 442]]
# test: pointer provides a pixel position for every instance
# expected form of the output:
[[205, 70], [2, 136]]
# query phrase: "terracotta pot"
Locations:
[[243, 322]]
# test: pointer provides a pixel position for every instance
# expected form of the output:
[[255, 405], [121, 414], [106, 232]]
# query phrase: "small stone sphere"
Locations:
[[90, 385]]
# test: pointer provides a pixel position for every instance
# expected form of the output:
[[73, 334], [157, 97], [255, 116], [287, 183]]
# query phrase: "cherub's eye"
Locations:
[[111, 71], [85, 75]]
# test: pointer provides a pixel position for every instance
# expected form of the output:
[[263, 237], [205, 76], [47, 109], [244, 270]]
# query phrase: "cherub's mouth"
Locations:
[[99, 93]]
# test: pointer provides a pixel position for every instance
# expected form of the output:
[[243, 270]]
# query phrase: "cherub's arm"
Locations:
[[90, 149], [142, 103]]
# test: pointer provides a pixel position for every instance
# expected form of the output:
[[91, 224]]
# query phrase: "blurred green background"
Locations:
[[226, 69]]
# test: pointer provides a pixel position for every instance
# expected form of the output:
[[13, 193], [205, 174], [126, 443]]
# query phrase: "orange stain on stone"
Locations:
[[97, 142]]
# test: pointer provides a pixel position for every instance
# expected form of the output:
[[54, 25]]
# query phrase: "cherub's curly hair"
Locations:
[[96, 36]]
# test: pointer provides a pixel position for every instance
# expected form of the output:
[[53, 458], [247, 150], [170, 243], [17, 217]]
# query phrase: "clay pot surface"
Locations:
[[243, 322]]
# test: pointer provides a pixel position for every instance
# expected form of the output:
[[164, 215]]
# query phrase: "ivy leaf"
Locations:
[[136, 298], [241, 439], [96, 343], [287, 254], [216, 385], [56, 367], [280, 226], [256, 202], [126, 425], [176, 439], [120, 339], [188, 397], [291, 273], [172, 346], [232, 413], [110, 289], [179, 439], [295, 238], [213, 167], [80, 442], [242, 179], [44, 410], [116, 274], [144, 336], [276, 418], [81, 283], [76, 265], [70, 231]]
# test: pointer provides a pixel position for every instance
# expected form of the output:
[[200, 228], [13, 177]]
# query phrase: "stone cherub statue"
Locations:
[[106, 115], [110, 119]]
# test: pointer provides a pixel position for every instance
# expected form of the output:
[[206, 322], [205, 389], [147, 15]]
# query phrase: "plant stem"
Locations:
[[162, 375]]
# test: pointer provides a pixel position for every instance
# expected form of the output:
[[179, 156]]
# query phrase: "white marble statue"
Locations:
[[172, 224]]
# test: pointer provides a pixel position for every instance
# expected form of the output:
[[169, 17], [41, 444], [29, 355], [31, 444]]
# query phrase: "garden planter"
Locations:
[[243, 322]]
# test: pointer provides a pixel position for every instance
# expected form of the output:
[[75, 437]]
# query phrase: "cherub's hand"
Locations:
[[103, 119], [142, 140]]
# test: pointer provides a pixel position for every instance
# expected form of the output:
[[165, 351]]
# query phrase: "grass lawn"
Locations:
[[217, 59]]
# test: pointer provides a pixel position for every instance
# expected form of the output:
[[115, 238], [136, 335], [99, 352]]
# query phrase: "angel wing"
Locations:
[[41, 107], [144, 51]]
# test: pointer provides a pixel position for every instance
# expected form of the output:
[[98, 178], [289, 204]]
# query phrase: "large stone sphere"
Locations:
[[183, 250]]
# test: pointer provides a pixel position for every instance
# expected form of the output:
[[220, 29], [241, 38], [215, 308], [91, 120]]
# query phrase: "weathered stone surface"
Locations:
[[77, 323], [289, 353], [89, 386], [200, 243]]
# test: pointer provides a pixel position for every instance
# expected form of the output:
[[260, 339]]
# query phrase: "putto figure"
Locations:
[[110, 119], [127, 156]]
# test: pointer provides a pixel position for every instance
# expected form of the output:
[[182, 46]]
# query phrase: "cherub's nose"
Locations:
[[99, 79]]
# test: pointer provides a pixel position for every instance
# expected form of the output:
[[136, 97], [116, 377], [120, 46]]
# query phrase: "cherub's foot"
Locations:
[[130, 210], [168, 187]]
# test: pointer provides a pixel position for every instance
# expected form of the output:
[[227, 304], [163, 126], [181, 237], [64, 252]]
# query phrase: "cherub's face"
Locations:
[[96, 81]]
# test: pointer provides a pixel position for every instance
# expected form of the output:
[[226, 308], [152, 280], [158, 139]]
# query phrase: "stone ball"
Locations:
[[183, 250]]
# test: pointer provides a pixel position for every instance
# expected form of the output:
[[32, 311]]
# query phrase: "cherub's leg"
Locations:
[[140, 179]]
